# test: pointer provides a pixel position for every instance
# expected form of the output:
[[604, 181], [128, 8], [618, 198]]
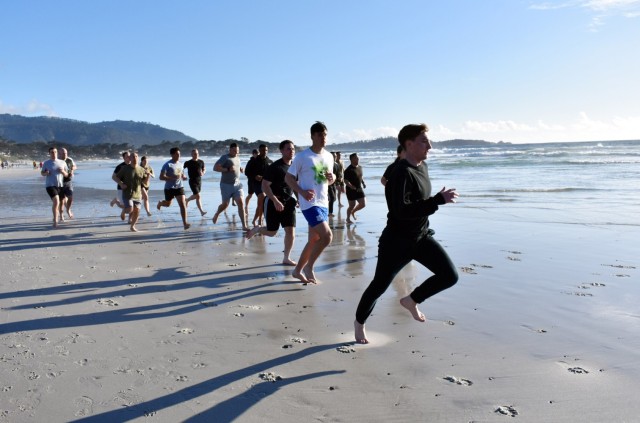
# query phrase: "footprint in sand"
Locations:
[[187, 331], [298, 340], [507, 410], [346, 349], [578, 294], [238, 314], [108, 302], [468, 270], [578, 370], [484, 266], [597, 284], [84, 405], [458, 381], [619, 266], [270, 377]]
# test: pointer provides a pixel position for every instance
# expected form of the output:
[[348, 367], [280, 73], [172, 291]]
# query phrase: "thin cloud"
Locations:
[[365, 134], [602, 8], [583, 127], [34, 107], [8, 109]]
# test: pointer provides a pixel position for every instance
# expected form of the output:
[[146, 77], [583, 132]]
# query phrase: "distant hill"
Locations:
[[21, 129]]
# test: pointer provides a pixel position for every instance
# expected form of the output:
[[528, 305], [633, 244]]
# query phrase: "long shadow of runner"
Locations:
[[226, 410]]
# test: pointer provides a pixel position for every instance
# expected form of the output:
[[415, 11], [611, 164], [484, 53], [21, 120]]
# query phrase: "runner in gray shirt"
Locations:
[[230, 186]]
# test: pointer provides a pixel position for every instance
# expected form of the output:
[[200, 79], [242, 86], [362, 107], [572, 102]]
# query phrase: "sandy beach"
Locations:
[[98, 324]]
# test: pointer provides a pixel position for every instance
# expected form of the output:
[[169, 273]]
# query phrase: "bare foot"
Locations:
[[202, 213], [187, 226], [61, 218], [122, 215], [159, 205], [133, 229], [245, 229], [215, 217], [408, 303], [149, 214], [113, 202], [308, 272], [299, 275], [353, 215], [349, 220], [361, 336], [70, 214], [287, 261], [252, 232]]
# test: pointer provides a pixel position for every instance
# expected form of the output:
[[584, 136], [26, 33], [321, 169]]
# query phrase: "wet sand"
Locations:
[[101, 324]]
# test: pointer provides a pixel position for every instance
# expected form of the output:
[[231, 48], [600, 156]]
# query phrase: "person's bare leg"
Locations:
[[253, 232], [183, 211], [246, 206], [324, 236], [145, 200], [359, 206], [408, 303], [241, 213], [164, 203], [259, 210], [61, 209], [289, 238], [68, 207], [361, 335], [222, 207], [199, 204], [304, 258], [55, 209], [349, 210], [134, 214]]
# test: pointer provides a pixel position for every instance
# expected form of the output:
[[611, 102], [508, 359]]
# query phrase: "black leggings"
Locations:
[[395, 252]]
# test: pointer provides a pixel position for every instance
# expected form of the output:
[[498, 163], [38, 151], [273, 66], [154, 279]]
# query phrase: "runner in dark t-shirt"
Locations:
[[280, 202], [118, 198], [196, 170], [355, 185]]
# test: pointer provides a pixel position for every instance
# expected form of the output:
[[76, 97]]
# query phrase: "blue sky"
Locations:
[[511, 70]]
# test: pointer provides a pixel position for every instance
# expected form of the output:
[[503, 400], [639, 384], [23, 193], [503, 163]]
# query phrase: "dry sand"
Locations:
[[98, 324]]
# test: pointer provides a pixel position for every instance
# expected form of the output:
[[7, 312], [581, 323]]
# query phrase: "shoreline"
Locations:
[[101, 324]]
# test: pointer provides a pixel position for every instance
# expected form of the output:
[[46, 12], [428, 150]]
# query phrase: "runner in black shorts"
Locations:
[[171, 193], [280, 204], [196, 170]]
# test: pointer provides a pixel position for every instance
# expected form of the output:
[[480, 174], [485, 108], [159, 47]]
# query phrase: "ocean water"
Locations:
[[595, 183]]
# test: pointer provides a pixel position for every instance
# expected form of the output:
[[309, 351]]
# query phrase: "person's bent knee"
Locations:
[[450, 277]]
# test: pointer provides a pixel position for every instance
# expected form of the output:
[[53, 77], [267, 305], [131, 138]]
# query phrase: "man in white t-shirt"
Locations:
[[310, 175]]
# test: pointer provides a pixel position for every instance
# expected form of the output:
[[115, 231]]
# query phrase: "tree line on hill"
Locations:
[[38, 151]]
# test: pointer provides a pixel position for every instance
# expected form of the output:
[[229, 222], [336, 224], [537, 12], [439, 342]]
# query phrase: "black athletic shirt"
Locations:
[[193, 168], [275, 174], [408, 195], [118, 170]]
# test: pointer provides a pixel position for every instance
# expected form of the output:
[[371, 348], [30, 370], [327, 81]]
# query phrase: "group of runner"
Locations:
[[302, 180]]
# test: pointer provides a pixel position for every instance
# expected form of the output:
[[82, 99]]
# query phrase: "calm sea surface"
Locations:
[[595, 183]]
